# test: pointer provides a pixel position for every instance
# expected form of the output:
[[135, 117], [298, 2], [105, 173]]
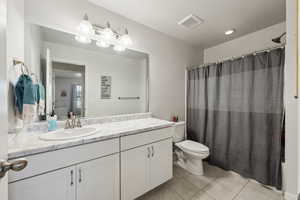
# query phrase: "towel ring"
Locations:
[[17, 62]]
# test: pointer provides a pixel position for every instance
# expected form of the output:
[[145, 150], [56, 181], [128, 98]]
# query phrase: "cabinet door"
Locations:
[[58, 185], [99, 179], [135, 172], [161, 164]]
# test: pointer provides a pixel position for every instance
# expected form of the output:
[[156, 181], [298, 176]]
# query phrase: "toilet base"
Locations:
[[191, 169], [189, 163]]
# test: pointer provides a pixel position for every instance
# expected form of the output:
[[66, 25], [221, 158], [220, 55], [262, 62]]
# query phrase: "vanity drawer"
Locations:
[[140, 139], [49, 161]]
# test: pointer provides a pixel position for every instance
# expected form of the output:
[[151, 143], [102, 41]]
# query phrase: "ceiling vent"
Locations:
[[190, 21]]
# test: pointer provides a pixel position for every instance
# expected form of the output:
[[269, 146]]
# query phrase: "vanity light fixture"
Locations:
[[105, 36], [85, 27], [83, 39], [230, 32], [85, 30], [125, 39], [119, 48], [102, 43]]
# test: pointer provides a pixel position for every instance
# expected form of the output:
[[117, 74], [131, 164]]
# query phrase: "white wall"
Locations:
[[15, 30], [128, 79], [246, 44], [292, 106], [33, 48], [15, 50], [168, 56]]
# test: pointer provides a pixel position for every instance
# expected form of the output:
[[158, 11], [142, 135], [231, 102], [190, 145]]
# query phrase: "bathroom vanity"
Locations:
[[123, 160], [113, 157]]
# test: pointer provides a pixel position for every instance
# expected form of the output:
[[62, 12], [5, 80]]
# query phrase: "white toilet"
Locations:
[[189, 153]]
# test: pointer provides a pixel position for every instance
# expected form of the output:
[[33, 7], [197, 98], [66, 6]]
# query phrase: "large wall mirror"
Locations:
[[83, 78]]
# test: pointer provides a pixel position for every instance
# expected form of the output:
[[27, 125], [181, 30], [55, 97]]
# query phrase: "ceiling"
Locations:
[[245, 16]]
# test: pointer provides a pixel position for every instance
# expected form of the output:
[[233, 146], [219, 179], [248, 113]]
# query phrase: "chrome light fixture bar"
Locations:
[[105, 36]]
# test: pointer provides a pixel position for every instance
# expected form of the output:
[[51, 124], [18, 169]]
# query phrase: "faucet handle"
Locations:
[[78, 124], [70, 115], [68, 124]]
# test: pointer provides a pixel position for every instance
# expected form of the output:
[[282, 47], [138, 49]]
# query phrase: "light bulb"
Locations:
[[83, 39], [119, 48], [102, 43], [107, 34], [125, 40], [85, 27]]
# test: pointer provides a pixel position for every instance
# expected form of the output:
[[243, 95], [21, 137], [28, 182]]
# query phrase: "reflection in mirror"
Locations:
[[83, 78], [67, 86]]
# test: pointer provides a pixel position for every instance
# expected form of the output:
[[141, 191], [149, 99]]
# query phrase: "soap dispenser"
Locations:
[[52, 121]]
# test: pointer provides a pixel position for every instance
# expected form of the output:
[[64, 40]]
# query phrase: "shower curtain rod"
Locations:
[[238, 57]]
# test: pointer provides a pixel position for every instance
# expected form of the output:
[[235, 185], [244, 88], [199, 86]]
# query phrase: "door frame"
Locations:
[[3, 95]]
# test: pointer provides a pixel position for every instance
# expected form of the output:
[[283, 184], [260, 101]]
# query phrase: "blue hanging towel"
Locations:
[[26, 96], [40, 100]]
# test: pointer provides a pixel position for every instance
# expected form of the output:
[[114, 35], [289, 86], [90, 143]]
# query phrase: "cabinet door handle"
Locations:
[[148, 148], [152, 150], [72, 177], [80, 175]]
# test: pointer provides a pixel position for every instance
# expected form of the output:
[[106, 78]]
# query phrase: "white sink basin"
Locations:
[[68, 134]]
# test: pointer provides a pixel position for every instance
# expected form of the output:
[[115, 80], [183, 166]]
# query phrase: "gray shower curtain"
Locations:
[[236, 109]]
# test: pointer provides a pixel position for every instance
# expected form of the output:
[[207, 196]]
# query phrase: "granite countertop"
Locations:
[[25, 144]]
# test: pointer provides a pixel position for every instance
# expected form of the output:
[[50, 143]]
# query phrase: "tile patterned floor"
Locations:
[[217, 184]]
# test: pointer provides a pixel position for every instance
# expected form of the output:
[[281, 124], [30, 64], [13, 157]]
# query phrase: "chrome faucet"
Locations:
[[72, 121], [68, 124]]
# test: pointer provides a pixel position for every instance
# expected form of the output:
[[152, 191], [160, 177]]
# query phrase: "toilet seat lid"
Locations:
[[192, 146]]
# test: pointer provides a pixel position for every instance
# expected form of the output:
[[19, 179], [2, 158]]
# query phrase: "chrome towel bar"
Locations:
[[128, 98]]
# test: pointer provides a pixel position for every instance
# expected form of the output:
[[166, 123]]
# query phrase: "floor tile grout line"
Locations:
[[241, 190], [198, 189], [213, 180], [202, 189], [176, 193], [213, 198]]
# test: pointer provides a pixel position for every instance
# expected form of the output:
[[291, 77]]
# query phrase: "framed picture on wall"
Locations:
[[105, 87]]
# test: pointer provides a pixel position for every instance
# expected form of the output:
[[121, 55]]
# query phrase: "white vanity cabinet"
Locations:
[[135, 165], [59, 184], [90, 176], [99, 179], [96, 179], [122, 168], [161, 162], [145, 167]]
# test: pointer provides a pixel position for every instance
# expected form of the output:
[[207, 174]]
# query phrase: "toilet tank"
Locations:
[[178, 131]]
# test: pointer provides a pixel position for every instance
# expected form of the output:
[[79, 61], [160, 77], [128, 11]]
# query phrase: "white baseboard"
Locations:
[[289, 196]]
